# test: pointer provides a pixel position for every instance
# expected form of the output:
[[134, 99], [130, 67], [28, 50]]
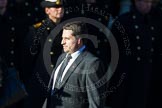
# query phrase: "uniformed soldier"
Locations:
[[138, 33], [11, 31], [8, 34], [35, 74]]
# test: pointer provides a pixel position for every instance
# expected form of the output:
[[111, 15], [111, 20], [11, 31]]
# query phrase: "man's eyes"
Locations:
[[66, 38]]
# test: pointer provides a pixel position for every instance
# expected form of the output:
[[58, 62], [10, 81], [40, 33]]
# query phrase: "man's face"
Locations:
[[69, 42], [55, 12], [144, 6], [3, 3]]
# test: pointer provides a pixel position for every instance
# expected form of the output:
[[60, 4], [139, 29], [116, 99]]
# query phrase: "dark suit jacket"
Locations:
[[82, 86]]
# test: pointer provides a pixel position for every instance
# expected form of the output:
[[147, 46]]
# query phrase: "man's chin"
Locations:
[[65, 51], [59, 16]]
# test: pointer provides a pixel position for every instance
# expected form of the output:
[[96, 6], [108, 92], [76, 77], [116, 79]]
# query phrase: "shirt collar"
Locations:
[[75, 54]]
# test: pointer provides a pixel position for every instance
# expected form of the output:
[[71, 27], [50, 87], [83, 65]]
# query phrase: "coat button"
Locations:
[[48, 28], [36, 9], [138, 48], [49, 40], [26, 4], [13, 28], [136, 26], [138, 59], [152, 28], [28, 14], [99, 19], [134, 17], [153, 38], [137, 37], [51, 53], [12, 40], [12, 52], [152, 49], [51, 65]]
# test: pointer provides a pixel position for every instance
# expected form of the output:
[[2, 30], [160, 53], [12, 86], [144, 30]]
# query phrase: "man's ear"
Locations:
[[80, 41], [46, 11]]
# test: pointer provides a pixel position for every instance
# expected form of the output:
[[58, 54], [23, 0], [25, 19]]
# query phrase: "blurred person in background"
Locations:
[[10, 34], [35, 74], [139, 31]]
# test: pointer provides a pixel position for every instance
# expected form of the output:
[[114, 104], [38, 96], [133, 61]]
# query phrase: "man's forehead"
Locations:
[[65, 31], [67, 34]]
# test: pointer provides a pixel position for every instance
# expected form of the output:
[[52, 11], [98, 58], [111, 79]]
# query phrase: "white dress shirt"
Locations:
[[74, 56]]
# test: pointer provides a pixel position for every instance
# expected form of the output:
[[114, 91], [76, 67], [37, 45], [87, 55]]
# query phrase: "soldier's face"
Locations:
[[69, 42], [144, 6], [3, 3], [55, 13]]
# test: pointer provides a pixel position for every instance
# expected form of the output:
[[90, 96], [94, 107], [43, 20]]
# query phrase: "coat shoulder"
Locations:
[[90, 57], [124, 17]]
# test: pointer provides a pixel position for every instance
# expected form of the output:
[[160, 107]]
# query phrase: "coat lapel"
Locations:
[[53, 72], [72, 68]]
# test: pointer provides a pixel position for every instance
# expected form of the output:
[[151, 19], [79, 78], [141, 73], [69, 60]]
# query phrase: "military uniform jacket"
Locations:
[[35, 74], [10, 38], [139, 42]]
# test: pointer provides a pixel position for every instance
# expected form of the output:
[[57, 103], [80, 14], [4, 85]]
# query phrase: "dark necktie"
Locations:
[[61, 70]]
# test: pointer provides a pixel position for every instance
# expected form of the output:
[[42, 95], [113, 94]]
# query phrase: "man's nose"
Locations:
[[62, 42], [60, 8]]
